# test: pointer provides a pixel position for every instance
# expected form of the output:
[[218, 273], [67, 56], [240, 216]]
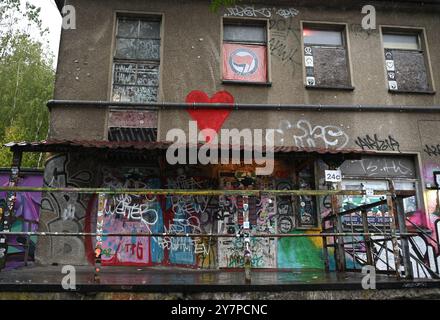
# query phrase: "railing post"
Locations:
[[368, 245], [102, 203], [400, 212], [339, 245], [325, 254], [392, 213], [8, 214], [247, 240]]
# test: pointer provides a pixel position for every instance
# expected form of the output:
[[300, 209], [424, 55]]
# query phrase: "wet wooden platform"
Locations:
[[159, 279]]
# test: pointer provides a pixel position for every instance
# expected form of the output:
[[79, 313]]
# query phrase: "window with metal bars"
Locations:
[[136, 60]]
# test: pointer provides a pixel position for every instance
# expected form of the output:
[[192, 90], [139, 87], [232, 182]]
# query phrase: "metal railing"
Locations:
[[368, 240]]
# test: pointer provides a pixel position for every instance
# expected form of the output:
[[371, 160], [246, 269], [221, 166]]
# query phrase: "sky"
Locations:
[[51, 19]]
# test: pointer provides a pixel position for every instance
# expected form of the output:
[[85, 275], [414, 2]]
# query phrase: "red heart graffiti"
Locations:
[[210, 118]]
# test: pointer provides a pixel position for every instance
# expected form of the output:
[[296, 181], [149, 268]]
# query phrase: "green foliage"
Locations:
[[26, 80], [216, 4]]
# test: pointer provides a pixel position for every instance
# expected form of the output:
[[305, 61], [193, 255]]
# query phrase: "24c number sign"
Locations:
[[333, 176]]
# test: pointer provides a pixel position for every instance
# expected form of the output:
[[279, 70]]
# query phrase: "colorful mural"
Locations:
[[203, 215], [300, 252], [27, 216]]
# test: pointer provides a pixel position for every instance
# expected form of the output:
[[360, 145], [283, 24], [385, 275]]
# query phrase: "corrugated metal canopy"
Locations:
[[84, 145]]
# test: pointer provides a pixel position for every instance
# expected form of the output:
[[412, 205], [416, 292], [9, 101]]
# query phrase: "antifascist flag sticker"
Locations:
[[244, 62]]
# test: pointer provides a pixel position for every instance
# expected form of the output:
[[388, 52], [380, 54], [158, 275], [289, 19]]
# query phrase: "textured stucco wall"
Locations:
[[191, 60], [294, 295]]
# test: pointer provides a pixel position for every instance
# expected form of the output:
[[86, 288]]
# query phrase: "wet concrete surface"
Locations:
[[161, 279]]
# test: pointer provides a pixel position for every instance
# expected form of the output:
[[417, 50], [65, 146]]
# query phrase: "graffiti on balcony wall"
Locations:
[[182, 215], [375, 143], [262, 217], [65, 212], [305, 135], [190, 214], [131, 214], [153, 215], [26, 217]]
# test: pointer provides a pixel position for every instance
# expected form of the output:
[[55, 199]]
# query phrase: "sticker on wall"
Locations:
[[390, 65], [392, 85], [308, 51], [309, 72], [209, 118], [244, 63], [391, 75], [309, 61], [310, 81], [389, 55]]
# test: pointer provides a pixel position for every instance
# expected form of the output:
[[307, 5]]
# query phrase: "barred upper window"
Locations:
[[136, 60]]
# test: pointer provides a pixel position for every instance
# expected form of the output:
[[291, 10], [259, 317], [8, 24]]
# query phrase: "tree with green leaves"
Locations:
[[26, 79], [217, 4]]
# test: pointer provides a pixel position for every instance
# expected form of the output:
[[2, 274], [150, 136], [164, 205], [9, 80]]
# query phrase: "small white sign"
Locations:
[[333, 176], [246, 225], [309, 61], [392, 85], [310, 81], [369, 192], [390, 65]]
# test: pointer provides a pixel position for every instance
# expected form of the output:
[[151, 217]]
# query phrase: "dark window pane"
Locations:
[[322, 37], [126, 48], [243, 33], [401, 41], [128, 28], [148, 50], [410, 69], [330, 67], [150, 30]]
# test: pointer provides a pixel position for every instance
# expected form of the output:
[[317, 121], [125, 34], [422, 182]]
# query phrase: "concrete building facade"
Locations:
[[306, 73]]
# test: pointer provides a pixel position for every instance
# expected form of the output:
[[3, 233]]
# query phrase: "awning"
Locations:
[[84, 145]]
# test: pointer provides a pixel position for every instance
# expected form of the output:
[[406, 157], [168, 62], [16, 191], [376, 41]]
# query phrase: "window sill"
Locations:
[[348, 88], [411, 92], [249, 83]]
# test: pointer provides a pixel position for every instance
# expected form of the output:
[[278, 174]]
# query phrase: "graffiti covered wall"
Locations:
[[26, 217], [203, 215], [62, 212]]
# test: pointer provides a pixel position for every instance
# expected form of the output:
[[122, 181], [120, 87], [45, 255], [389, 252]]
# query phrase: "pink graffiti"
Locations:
[[428, 169], [427, 222]]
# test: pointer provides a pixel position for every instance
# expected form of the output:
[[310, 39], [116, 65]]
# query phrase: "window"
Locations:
[[405, 61], [245, 52], [375, 173], [136, 60], [325, 57], [136, 64]]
